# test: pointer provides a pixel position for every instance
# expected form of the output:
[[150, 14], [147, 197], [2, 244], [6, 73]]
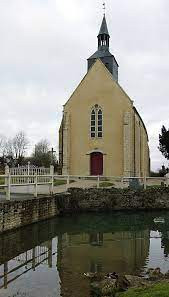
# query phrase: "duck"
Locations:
[[122, 282]]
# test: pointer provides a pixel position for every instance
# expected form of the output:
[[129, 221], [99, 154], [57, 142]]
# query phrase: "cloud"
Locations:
[[44, 47]]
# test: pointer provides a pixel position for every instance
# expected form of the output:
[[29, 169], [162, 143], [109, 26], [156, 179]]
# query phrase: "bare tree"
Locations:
[[19, 145], [42, 147], [8, 148], [42, 155], [2, 144]]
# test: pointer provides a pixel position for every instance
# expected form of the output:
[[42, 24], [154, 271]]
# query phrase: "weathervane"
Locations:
[[104, 7]]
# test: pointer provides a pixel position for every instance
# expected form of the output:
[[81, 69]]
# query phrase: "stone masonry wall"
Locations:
[[81, 200], [14, 214]]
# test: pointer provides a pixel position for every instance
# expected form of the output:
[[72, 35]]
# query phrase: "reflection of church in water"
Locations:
[[77, 252], [74, 246], [97, 252]]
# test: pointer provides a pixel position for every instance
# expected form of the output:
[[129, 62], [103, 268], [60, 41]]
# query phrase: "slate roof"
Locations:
[[104, 52], [104, 29]]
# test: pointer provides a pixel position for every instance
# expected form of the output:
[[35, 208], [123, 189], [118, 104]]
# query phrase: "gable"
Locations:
[[98, 82]]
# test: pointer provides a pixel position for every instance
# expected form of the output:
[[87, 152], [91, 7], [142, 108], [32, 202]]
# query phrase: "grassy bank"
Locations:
[[60, 182], [158, 290]]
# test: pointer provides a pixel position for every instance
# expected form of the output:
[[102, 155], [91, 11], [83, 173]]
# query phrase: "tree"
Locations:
[[2, 145], [8, 148], [164, 142], [19, 145], [42, 155], [12, 150], [6, 152]]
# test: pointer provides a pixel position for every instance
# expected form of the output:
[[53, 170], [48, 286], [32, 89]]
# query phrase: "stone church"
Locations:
[[101, 132]]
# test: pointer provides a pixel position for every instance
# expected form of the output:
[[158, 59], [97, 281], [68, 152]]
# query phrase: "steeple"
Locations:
[[103, 28], [103, 51], [103, 37]]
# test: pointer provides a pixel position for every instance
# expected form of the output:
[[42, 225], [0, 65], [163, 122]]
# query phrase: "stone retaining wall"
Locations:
[[113, 199], [14, 214]]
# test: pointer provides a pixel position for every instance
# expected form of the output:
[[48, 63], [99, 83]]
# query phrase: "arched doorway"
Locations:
[[96, 163]]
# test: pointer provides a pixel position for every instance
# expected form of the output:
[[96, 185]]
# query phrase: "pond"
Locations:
[[49, 259]]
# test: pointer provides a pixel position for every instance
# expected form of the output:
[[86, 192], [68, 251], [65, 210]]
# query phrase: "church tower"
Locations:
[[103, 51]]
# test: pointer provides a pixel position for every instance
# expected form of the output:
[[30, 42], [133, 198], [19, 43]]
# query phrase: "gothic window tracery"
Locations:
[[96, 129], [93, 124]]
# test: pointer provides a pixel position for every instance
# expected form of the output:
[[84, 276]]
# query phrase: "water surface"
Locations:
[[48, 259]]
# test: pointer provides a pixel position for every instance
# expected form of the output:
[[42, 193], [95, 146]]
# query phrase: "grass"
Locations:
[[155, 186], [2, 180], [106, 184], [158, 290], [60, 182]]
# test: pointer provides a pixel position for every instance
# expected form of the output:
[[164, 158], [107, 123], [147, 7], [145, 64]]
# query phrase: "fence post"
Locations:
[[52, 179], [36, 186], [122, 182], [167, 179], [98, 182], [145, 182], [167, 182], [68, 182], [8, 183], [28, 173], [8, 197]]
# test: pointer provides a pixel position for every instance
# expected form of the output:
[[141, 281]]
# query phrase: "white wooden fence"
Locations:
[[18, 173], [17, 177], [35, 180]]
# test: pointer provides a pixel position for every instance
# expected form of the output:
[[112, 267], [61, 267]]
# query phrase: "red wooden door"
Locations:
[[96, 164]]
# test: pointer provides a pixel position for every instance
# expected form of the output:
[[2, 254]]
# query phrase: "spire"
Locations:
[[103, 50], [103, 37], [103, 28]]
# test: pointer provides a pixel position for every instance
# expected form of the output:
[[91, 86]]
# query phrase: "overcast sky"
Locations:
[[44, 45]]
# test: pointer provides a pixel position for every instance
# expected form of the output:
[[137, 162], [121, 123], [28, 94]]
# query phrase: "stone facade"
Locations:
[[124, 143], [127, 144], [118, 135]]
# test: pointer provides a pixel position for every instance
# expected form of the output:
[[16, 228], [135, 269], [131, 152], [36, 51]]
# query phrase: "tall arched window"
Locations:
[[100, 123], [96, 122], [93, 123]]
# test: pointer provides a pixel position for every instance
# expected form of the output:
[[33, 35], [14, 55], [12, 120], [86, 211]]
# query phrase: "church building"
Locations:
[[101, 132]]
